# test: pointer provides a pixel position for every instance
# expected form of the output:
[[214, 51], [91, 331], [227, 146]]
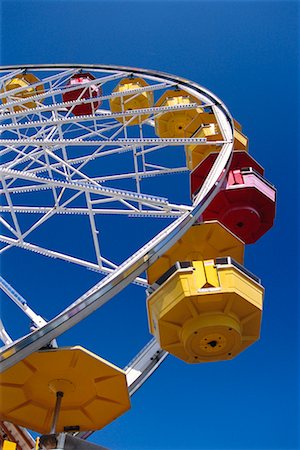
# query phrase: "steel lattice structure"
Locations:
[[55, 163]]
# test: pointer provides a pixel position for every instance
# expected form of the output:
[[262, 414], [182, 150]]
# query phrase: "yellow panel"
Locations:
[[239, 283], [202, 241], [7, 445], [198, 323], [201, 277], [211, 273], [237, 125], [174, 124], [179, 286], [195, 154], [23, 81], [240, 141], [15, 393], [81, 375], [200, 119], [131, 101]]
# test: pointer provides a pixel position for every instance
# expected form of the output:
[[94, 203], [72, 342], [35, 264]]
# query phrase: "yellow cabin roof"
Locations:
[[95, 391], [202, 241]]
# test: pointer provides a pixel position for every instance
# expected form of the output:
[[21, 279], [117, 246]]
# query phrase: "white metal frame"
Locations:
[[36, 147]]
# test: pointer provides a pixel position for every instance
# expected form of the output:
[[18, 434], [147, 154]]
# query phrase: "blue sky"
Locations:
[[247, 54]]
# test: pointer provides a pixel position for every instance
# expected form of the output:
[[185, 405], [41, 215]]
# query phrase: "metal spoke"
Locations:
[[40, 149], [79, 146], [56, 161]]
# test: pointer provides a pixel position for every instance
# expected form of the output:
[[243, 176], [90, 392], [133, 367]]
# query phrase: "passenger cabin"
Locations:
[[20, 87], [135, 99], [202, 241], [63, 389], [206, 125], [84, 92], [205, 311], [174, 123], [245, 203], [203, 305]]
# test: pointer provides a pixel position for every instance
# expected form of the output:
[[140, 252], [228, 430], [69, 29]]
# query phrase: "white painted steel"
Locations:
[[21, 303], [121, 276], [4, 336], [143, 365], [62, 174]]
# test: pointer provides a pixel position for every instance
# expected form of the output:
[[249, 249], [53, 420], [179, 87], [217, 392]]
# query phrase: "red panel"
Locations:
[[240, 160], [85, 93], [246, 210], [238, 177]]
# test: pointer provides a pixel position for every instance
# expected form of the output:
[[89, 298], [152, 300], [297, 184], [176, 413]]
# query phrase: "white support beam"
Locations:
[[154, 110], [12, 212], [95, 232], [51, 93], [129, 142], [143, 365], [71, 259], [85, 187], [58, 106], [131, 212], [4, 336], [21, 303]]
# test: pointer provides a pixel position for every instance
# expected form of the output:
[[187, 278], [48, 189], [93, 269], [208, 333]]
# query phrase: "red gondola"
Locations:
[[83, 92], [245, 203]]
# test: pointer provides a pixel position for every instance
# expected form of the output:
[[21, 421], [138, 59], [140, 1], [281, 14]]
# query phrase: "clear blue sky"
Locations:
[[247, 53]]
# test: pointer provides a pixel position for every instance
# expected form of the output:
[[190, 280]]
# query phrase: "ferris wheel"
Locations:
[[107, 147]]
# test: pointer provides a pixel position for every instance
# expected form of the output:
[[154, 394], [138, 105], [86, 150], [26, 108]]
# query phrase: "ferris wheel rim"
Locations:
[[26, 345], [170, 210], [151, 72], [87, 304]]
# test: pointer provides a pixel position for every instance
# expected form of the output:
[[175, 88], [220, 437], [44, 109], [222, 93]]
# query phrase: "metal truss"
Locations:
[[55, 163], [46, 148]]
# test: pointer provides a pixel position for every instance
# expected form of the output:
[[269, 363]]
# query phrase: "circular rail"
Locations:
[[34, 136]]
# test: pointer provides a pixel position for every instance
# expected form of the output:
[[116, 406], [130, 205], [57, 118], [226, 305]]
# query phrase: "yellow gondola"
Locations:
[[205, 126], [87, 384], [131, 101], [206, 311], [173, 124], [20, 87], [202, 241]]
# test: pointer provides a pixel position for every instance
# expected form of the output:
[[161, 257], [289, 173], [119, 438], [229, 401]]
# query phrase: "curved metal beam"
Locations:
[[143, 258]]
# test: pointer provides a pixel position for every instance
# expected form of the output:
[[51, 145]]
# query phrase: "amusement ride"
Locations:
[[98, 141]]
